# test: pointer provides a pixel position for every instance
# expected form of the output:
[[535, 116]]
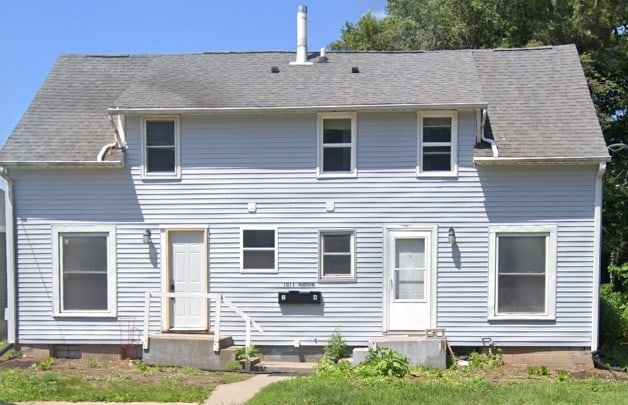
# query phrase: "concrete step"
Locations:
[[188, 350], [420, 350], [285, 367]]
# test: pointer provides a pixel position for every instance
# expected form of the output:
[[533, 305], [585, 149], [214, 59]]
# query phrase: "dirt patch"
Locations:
[[509, 373], [132, 371]]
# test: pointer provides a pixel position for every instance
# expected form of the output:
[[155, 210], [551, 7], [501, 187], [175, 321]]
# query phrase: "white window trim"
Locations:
[[352, 244], [177, 149], [354, 142], [111, 270], [453, 144], [550, 271], [259, 228]]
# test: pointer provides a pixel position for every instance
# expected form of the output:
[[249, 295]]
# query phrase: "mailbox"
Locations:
[[300, 297]]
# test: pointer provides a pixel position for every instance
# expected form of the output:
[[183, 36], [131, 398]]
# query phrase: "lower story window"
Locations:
[[84, 270], [523, 272], [337, 255], [259, 250]]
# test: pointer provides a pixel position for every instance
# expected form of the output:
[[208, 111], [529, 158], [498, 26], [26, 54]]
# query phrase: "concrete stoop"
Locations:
[[189, 350], [420, 350]]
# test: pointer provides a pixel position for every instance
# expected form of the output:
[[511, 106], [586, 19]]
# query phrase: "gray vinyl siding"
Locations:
[[230, 161]]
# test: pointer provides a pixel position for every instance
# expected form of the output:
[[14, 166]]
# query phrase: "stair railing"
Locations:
[[217, 298]]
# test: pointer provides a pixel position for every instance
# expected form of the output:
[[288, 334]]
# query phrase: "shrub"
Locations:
[[613, 315], [336, 348], [486, 360], [384, 362], [248, 352]]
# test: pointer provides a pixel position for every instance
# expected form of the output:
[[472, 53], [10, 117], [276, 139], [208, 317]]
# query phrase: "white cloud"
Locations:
[[379, 14]]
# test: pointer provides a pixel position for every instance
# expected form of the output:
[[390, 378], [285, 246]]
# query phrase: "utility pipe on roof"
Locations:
[[6, 183], [490, 141], [118, 130]]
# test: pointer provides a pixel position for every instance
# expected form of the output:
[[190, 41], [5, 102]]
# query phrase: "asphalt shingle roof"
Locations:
[[538, 100]]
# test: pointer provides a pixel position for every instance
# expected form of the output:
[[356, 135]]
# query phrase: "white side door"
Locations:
[[188, 274], [408, 280]]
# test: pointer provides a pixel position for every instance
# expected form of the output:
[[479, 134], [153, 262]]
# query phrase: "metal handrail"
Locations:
[[217, 298]]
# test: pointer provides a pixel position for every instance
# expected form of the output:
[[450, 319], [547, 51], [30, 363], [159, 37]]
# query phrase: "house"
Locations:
[[3, 269], [372, 193]]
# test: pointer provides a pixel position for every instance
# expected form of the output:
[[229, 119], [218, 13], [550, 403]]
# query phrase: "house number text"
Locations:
[[297, 285]]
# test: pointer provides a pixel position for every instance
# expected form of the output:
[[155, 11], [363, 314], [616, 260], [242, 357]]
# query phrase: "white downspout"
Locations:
[[482, 123], [11, 311], [118, 129], [597, 246]]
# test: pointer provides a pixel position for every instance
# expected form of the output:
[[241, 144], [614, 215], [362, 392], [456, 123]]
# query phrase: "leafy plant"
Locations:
[[247, 353], [44, 364], [336, 348], [486, 360], [327, 366], [613, 315], [563, 375], [383, 362], [538, 370], [93, 363], [143, 367], [233, 365]]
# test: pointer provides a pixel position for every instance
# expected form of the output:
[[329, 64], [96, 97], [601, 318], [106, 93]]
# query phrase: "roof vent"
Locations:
[[322, 56], [274, 69], [355, 69], [301, 36]]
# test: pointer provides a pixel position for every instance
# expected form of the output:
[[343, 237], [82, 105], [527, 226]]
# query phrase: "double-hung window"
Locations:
[[522, 272], [161, 147], [84, 274], [438, 140], [337, 255], [337, 137], [259, 250]]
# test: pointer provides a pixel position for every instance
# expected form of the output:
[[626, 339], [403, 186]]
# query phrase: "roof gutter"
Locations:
[[88, 164], [482, 122], [312, 108], [6, 183], [481, 160], [597, 246]]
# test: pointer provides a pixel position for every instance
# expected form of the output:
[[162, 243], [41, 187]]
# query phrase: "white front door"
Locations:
[[408, 276], [188, 274]]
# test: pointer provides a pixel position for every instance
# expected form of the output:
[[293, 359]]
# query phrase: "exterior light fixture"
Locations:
[[146, 236], [452, 236]]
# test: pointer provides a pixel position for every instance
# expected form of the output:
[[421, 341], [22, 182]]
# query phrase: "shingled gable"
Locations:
[[537, 99]]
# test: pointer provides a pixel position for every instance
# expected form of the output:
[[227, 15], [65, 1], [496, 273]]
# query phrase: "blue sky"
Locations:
[[33, 33]]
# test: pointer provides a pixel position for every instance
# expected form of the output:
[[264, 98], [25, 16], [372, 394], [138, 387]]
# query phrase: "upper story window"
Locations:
[[84, 274], [161, 147], [337, 137], [522, 272], [438, 141], [259, 250]]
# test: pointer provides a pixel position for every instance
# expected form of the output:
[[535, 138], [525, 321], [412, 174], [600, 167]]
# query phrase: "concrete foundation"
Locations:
[[548, 356], [421, 351], [194, 350]]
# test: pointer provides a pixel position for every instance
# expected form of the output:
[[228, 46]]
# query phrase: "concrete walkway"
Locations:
[[240, 392]]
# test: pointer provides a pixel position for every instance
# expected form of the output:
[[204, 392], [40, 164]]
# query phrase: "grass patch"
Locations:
[[319, 389], [114, 382]]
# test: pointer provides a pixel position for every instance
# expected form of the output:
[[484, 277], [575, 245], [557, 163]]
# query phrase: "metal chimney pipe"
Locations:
[[301, 36]]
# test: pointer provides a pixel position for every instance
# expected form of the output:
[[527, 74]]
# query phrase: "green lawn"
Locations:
[[117, 381], [344, 390]]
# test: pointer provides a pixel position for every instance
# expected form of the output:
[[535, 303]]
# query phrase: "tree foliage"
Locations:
[[599, 28]]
